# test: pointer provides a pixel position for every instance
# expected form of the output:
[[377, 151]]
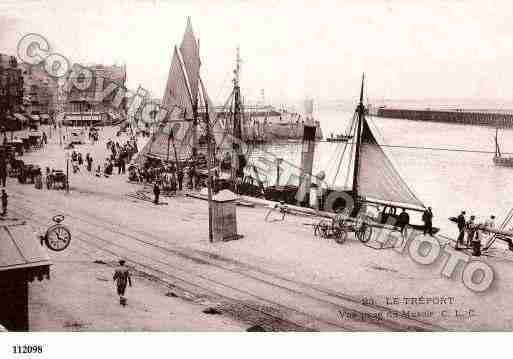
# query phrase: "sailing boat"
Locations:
[[339, 138], [498, 160], [186, 100], [376, 181]]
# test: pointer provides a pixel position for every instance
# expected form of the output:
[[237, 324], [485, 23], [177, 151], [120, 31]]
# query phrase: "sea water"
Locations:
[[434, 159]]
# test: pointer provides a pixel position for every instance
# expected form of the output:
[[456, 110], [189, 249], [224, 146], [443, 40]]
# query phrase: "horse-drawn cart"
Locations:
[[56, 180], [27, 173], [340, 226]]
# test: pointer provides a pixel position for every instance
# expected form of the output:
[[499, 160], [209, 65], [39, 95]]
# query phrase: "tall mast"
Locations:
[[237, 131], [360, 109], [497, 148], [209, 170]]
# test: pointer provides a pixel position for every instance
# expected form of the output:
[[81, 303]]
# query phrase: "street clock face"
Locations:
[[58, 238]]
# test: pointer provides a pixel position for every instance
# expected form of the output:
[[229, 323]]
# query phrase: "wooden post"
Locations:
[[278, 163], [67, 172], [307, 156], [209, 175]]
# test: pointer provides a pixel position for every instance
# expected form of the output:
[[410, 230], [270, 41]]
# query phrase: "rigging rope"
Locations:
[[353, 122], [445, 149]]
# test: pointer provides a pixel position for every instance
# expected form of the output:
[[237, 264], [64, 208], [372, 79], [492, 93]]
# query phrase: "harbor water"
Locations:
[[449, 167]]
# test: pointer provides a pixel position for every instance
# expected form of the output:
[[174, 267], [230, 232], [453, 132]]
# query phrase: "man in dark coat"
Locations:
[[121, 164], [122, 278], [89, 161], [4, 202], [3, 168], [427, 218], [461, 222], [403, 220], [156, 192], [179, 175]]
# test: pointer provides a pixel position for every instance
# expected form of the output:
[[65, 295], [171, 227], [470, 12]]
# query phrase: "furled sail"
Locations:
[[177, 101], [377, 177], [163, 147], [190, 54], [177, 92]]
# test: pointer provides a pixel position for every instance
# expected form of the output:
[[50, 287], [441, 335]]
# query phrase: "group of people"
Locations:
[[469, 230], [170, 178], [167, 175], [77, 161], [119, 156], [93, 135]]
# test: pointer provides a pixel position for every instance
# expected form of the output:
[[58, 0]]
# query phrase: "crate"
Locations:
[[224, 216]]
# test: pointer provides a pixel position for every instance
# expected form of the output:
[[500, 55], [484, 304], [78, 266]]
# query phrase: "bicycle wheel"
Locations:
[[364, 234], [317, 230], [340, 235]]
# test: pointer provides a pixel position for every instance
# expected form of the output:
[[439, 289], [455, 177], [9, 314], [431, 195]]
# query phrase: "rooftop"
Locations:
[[20, 249]]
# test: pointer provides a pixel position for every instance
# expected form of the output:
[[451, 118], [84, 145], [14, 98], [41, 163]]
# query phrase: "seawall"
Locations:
[[463, 117]]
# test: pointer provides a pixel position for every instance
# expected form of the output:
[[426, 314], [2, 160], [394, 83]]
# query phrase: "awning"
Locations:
[[20, 250], [82, 118], [35, 118]]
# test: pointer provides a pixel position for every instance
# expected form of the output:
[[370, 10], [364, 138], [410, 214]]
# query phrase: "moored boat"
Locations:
[[339, 138], [498, 159]]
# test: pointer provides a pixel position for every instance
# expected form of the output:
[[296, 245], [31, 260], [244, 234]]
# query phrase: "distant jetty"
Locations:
[[497, 118]]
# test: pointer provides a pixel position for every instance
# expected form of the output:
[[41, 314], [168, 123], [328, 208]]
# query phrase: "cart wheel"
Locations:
[[325, 231], [320, 230], [364, 234], [340, 235], [317, 231]]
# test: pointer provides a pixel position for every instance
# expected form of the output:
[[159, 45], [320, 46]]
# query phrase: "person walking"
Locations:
[[122, 278], [427, 218], [4, 202], [3, 168], [156, 192], [461, 222], [89, 161], [47, 178], [179, 175], [121, 165]]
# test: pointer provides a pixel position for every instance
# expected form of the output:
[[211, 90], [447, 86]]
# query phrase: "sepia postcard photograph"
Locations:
[[255, 166]]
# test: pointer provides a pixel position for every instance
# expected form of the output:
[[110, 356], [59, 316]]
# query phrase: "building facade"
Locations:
[[11, 87], [89, 104], [39, 91]]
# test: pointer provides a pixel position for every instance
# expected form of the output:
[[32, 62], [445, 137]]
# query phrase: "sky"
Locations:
[[291, 49]]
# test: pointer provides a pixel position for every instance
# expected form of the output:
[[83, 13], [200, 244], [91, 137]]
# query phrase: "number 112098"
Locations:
[[27, 349]]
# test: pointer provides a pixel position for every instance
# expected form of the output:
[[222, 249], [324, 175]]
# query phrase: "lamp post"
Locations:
[[67, 171], [169, 137], [209, 176]]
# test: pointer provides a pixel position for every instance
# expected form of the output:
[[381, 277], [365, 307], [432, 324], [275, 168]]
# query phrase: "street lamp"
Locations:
[[67, 155]]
